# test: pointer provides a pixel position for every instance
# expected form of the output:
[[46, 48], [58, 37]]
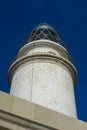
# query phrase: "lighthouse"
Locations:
[[43, 72]]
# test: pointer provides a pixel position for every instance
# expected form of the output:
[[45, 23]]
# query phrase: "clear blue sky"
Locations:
[[68, 17]]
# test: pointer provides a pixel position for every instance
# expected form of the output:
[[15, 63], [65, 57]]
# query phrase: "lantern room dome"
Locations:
[[44, 31]]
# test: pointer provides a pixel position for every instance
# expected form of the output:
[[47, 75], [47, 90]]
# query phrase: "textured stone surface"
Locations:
[[46, 82], [5, 102], [43, 46], [43, 118], [81, 125], [66, 122], [20, 107], [45, 50], [6, 124]]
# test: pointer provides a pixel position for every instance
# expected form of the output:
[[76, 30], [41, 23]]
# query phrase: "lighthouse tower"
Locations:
[[43, 72]]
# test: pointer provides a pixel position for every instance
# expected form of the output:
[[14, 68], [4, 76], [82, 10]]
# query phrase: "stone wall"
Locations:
[[18, 114]]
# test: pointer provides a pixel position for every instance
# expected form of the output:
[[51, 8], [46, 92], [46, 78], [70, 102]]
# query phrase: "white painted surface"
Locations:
[[46, 84], [49, 84], [43, 46], [46, 50]]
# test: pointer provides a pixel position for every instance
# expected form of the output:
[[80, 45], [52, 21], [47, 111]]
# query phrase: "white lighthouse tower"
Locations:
[[43, 73]]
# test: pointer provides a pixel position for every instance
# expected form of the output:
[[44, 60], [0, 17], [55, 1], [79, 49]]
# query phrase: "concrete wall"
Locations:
[[18, 114]]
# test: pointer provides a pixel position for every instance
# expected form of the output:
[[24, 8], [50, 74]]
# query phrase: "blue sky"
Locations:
[[68, 17]]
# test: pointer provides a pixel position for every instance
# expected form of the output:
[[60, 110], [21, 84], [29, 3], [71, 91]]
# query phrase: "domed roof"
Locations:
[[44, 31]]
